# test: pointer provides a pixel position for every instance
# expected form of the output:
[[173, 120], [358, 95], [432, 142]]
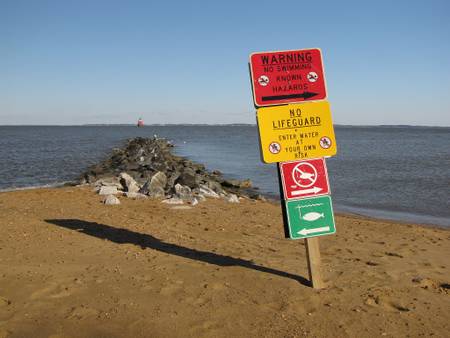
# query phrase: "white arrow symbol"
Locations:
[[305, 231], [314, 190]]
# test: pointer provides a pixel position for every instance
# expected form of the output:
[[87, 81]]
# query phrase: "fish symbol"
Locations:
[[312, 216]]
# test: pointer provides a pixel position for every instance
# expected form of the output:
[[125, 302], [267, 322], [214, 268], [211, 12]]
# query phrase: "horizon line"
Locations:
[[204, 124]]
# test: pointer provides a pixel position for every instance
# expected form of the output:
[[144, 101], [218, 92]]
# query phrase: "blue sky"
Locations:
[[76, 62]]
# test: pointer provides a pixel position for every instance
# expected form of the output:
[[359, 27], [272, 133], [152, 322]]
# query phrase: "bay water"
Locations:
[[392, 172]]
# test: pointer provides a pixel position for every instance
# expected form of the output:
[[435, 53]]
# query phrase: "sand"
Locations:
[[73, 267]]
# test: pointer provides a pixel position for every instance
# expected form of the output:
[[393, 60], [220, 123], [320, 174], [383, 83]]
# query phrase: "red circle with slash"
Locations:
[[305, 178]]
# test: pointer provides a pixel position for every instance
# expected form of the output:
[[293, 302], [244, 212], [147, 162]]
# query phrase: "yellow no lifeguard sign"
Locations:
[[296, 131]]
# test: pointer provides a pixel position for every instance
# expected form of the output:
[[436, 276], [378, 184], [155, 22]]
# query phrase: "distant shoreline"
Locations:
[[211, 125]]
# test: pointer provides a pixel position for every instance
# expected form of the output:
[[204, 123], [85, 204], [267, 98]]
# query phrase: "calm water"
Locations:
[[400, 173]]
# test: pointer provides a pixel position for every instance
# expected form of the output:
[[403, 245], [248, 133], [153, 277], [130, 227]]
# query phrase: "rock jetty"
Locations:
[[147, 168]]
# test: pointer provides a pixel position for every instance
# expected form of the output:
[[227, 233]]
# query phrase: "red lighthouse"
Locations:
[[140, 122]]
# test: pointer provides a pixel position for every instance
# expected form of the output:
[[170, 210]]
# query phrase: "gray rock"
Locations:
[[246, 184], [232, 198], [215, 186], [207, 192], [198, 167], [188, 177], [155, 187], [111, 200], [156, 192], [135, 195], [256, 196], [145, 187], [200, 198], [108, 190], [128, 183], [232, 183], [183, 192], [173, 200], [173, 178], [111, 181], [159, 180]]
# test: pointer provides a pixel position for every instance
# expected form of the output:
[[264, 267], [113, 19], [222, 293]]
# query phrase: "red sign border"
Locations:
[[286, 198], [252, 80]]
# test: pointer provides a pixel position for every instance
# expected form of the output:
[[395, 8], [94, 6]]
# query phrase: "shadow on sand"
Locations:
[[124, 236]]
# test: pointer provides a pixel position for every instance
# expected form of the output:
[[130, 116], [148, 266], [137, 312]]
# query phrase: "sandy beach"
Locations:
[[73, 267]]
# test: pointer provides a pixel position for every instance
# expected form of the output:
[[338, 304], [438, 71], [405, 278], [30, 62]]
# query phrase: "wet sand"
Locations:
[[73, 267]]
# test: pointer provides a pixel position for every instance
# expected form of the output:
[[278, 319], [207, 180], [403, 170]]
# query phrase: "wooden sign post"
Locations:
[[313, 258]]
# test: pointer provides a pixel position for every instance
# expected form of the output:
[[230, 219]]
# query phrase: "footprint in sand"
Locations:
[[399, 307], [55, 290], [425, 283], [199, 301], [4, 302], [217, 286], [170, 290], [430, 284], [377, 254], [385, 303], [82, 312], [205, 328], [393, 254]]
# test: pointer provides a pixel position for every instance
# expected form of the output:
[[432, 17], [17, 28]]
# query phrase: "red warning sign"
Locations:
[[287, 77], [304, 178]]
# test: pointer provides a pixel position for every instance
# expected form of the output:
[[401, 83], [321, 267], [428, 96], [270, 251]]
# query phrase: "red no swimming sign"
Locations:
[[287, 77], [306, 178]]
